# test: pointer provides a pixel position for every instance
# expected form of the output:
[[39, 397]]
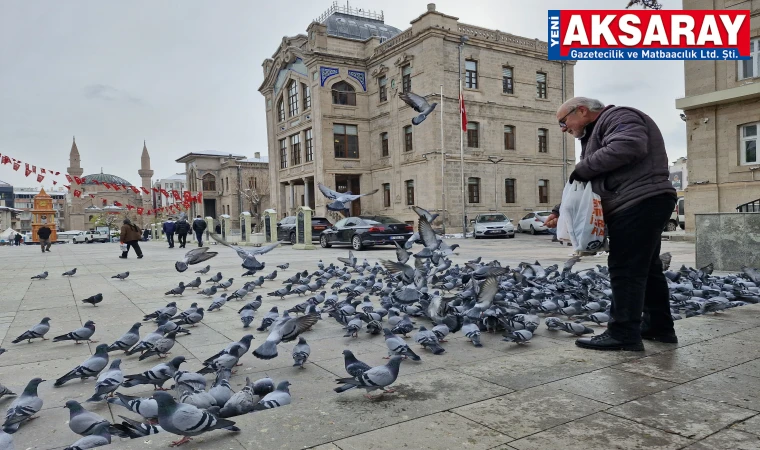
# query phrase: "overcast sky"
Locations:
[[183, 75]]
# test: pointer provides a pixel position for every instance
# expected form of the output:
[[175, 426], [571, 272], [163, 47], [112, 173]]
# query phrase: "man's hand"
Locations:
[[574, 177]]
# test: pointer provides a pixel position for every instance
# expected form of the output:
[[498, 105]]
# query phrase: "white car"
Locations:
[[89, 236], [493, 225], [534, 222]]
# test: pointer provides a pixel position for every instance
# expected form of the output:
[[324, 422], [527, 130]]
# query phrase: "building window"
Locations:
[[309, 146], [295, 149], [472, 134], [409, 192], [509, 190], [209, 183], [281, 110], [406, 78], [293, 98], [227, 182], [283, 154], [542, 133], [750, 68], [343, 94], [543, 191], [384, 144], [749, 144], [507, 83], [387, 195], [306, 92], [540, 85], [383, 89], [509, 137], [408, 138], [473, 190], [346, 138], [471, 74], [252, 183]]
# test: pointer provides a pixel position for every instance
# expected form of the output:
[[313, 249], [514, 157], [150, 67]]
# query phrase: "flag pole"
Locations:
[[461, 140], [443, 171]]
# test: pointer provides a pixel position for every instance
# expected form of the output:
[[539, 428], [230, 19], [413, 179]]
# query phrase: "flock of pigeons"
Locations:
[[388, 298]]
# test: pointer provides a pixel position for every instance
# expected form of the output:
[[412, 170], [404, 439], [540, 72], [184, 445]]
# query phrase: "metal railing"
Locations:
[[358, 12], [477, 32], [753, 207]]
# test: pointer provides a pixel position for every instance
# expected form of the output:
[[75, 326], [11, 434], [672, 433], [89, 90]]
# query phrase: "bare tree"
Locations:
[[256, 192]]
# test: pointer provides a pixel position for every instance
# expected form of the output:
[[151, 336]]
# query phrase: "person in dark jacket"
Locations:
[[199, 226], [623, 156], [17, 239], [169, 230], [130, 235], [43, 233], [182, 228]]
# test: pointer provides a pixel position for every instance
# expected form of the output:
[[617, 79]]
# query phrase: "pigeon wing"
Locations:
[[265, 249], [488, 290], [415, 101], [429, 239], [327, 192]]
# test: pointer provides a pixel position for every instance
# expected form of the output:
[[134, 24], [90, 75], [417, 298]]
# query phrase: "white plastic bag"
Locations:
[[582, 217], [123, 247]]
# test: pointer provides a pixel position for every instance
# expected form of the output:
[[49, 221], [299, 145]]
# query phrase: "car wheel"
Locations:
[[671, 226], [512, 236], [292, 239], [532, 230], [86, 241], [519, 228], [323, 242], [356, 242], [73, 241]]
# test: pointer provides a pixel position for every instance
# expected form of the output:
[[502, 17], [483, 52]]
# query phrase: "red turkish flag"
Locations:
[[57, 173], [55, 182], [165, 193], [40, 177], [200, 199], [175, 193], [69, 179], [16, 165], [115, 203], [107, 185], [186, 196], [92, 195], [145, 190], [78, 180], [34, 169], [462, 112], [155, 190], [5, 159], [115, 187], [140, 211], [135, 190], [130, 207], [27, 170], [67, 187], [42, 170], [77, 193]]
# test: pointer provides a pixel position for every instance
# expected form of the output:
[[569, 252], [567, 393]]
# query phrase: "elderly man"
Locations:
[[624, 158]]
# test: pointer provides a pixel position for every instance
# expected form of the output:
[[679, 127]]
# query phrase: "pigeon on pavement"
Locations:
[[5, 391], [98, 437], [36, 332], [397, 346], [41, 276], [186, 420], [24, 407], [94, 300], [146, 407], [285, 329], [278, 397], [81, 421], [80, 334], [128, 339], [121, 276], [69, 273], [169, 310], [378, 377], [156, 376], [203, 271], [108, 381], [161, 347], [301, 352], [89, 368], [177, 290]]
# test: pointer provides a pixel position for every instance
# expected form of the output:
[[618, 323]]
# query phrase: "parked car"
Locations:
[[90, 237], [493, 225], [286, 228], [365, 231], [681, 214], [533, 222]]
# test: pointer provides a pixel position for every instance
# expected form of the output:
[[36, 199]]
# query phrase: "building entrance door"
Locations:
[[350, 183], [209, 208]]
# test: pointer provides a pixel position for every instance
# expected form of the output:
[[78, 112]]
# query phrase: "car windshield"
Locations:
[[385, 220], [491, 218]]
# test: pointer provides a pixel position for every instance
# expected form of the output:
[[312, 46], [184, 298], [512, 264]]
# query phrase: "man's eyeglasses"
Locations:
[[562, 123]]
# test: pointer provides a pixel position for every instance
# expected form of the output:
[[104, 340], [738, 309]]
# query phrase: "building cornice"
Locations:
[[747, 92]]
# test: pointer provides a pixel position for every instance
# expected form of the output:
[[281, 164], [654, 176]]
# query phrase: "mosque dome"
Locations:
[[105, 178]]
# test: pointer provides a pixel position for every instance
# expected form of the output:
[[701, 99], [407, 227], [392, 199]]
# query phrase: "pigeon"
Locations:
[[194, 256], [441, 331], [248, 257], [241, 402], [5, 391], [89, 368], [192, 319], [80, 334], [147, 342], [69, 273], [285, 329], [36, 332], [354, 367], [429, 340], [203, 271], [378, 377], [246, 315], [577, 329], [193, 308], [518, 336], [278, 397], [397, 346], [167, 311], [226, 360], [81, 421], [128, 339], [208, 292], [472, 332], [218, 303], [194, 284], [98, 437], [261, 387], [221, 390], [121, 276], [225, 284], [419, 104], [133, 429], [283, 266], [156, 376], [161, 347], [24, 407], [301, 352], [177, 290], [197, 397], [94, 300], [146, 407], [340, 199], [269, 319], [108, 381], [186, 420], [41, 276], [271, 276]]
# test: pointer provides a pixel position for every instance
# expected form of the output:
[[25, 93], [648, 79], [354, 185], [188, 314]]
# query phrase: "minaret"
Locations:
[[74, 169], [145, 172]]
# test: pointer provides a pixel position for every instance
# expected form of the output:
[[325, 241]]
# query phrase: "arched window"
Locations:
[[281, 110], [293, 98], [209, 182], [343, 94]]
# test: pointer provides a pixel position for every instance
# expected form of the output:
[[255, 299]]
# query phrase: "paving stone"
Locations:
[[611, 386], [730, 387], [602, 431], [445, 431], [674, 366], [726, 348], [751, 368], [750, 425], [728, 440], [689, 416]]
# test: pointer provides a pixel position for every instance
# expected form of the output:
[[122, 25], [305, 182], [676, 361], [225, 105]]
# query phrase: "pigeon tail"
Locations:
[[267, 350], [419, 119], [180, 266]]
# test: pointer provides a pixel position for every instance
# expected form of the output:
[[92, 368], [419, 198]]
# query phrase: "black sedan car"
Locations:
[[286, 228], [366, 231]]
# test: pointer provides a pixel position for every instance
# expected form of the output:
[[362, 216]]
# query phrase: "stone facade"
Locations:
[[429, 50], [230, 184], [176, 182], [720, 101]]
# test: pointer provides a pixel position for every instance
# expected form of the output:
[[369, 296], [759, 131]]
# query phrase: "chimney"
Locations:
[[257, 155], [431, 7]]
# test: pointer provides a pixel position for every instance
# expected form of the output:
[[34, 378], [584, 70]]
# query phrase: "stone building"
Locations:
[[24, 201], [176, 182], [722, 114], [95, 196], [334, 116], [230, 183]]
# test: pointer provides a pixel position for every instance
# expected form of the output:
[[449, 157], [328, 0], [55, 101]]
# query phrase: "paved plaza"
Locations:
[[700, 394]]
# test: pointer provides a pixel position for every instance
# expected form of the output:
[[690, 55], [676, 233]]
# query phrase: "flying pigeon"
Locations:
[[248, 257], [378, 377], [340, 199], [24, 407], [285, 329], [194, 256], [41, 276], [89, 368], [121, 276], [94, 300], [186, 420], [419, 104], [69, 273], [80, 334], [36, 332]]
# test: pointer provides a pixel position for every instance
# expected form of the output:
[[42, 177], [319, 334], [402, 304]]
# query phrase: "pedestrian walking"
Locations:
[[169, 228], [199, 226], [130, 235], [182, 228], [43, 234]]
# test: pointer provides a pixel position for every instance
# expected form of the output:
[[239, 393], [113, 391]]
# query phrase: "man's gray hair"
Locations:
[[591, 104]]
